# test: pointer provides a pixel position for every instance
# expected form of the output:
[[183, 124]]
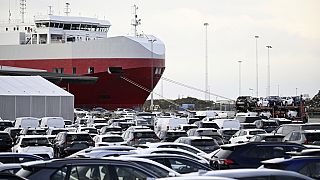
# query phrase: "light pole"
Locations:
[[206, 94], [257, 68], [151, 93], [268, 88], [250, 89], [239, 77]]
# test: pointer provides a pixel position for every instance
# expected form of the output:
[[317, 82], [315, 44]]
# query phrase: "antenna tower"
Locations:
[[67, 10], [135, 21], [23, 6]]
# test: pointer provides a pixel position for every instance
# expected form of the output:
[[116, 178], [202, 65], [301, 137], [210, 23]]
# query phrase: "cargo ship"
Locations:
[[77, 54]]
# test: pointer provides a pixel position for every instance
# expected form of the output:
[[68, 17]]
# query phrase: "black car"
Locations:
[[178, 163], [93, 169], [5, 124], [245, 102], [5, 141], [250, 155], [67, 143], [274, 100]]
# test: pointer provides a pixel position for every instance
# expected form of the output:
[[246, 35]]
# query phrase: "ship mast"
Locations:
[[23, 5], [67, 9], [135, 21]]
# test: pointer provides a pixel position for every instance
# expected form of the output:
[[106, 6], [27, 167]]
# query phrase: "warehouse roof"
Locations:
[[29, 86]]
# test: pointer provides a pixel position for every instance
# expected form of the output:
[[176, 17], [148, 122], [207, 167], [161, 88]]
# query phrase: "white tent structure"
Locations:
[[33, 96]]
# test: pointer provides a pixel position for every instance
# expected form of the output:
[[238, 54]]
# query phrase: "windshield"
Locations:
[[91, 131], [36, 132], [78, 137], [256, 132], [313, 137], [177, 134], [202, 142], [112, 139], [310, 127], [34, 141], [145, 135], [229, 132]]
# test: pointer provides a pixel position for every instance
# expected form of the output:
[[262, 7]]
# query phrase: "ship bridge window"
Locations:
[[75, 26], [74, 70], [6, 29], [67, 26], [91, 70], [60, 25], [58, 70], [51, 24]]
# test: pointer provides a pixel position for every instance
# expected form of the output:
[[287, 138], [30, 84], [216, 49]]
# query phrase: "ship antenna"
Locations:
[[135, 21], [23, 5], [50, 10], [67, 9], [9, 13]]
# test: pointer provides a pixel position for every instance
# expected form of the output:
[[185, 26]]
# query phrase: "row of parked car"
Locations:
[[202, 147], [248, 101]]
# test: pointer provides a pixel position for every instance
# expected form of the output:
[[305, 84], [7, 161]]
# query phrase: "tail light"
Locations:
[[226, 162]]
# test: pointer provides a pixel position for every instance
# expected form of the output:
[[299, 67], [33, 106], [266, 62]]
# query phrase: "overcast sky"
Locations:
[[291, 27]]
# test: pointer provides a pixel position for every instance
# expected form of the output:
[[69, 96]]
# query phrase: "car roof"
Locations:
[[33, 136], [242, 173], [197, 137]]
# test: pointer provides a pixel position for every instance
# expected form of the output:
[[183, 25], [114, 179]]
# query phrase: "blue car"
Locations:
[[306, 165]]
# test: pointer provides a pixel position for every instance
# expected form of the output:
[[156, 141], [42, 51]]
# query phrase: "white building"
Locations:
[[33, 96]]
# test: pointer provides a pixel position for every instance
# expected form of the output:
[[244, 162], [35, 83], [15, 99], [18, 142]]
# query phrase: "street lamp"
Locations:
[[239, 77], [206, 63], [268, 88], [257, 68], [250, 89], [151, 93]]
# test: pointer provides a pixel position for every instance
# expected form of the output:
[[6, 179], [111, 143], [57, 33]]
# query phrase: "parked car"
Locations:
[[33, 131], [5, 124], [306, 165], [91, 130], [6, 141], [287, 101], [208, 132], [109, 140], [287, 128], [67, 143], [227, 133], [267, 125], [111, 130], [175, 145], [52, 122], [102, 148], [257, 174], [206, 144], [104, 169], [13, 132], [267, 138], [171, 135], [250, 155], [136, 137], [172, 151], [34, 144], [306, 137], [178, 163], [26, 122], [243, 135], [55, 131], [245, 101], [274, 100], [263, 102]]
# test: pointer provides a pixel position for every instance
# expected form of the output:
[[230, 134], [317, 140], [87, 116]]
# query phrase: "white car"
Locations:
[[243, 135], [109, 140], [287, 101], [34, 144], [263, 102]]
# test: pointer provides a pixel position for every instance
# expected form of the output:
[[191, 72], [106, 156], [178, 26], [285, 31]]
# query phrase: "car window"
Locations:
[[60, 174], [265, 152], [86, 172], [124, 173], [311, 169], [295, 136], [154, 168], [183, 166], [313, 137], [112, 139]]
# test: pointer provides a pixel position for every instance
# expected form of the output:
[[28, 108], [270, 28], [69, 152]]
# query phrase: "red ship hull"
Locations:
[[111, 90]]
